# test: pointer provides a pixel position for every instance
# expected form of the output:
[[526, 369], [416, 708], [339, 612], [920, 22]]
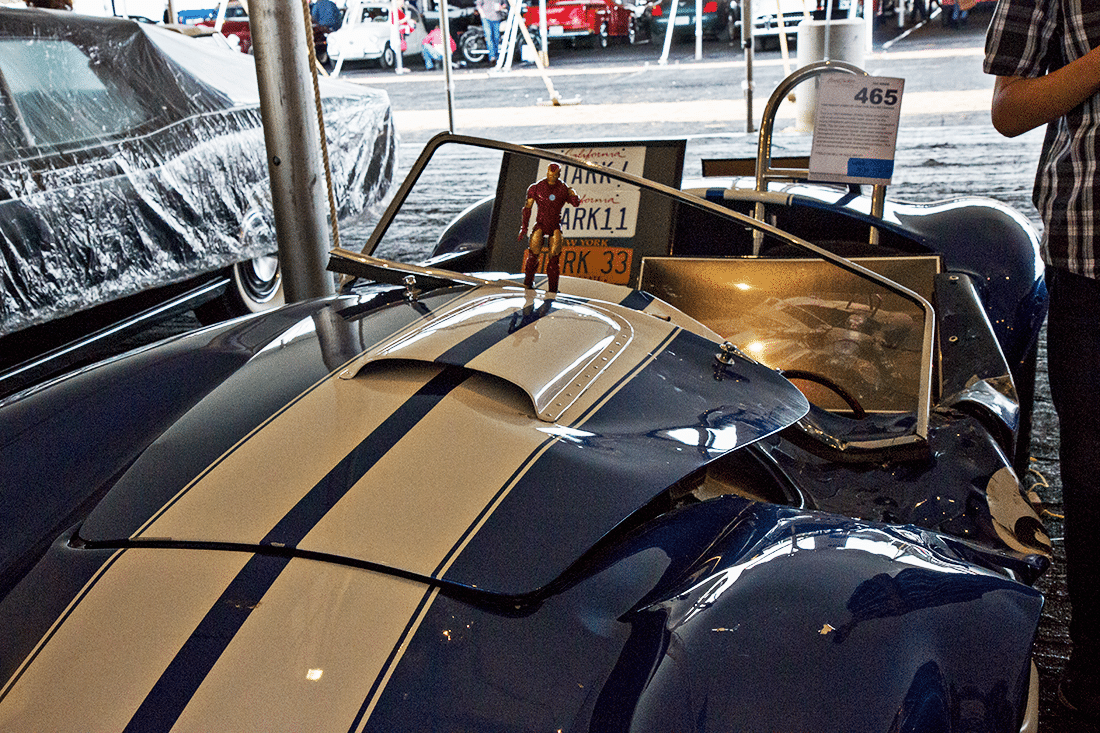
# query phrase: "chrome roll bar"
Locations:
[[765, 173]]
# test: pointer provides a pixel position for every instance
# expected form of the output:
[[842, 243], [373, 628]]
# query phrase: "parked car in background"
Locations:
[[366, 33], [601, 20], [194, 16], [767, 14], [133, 173], [238, 30], [722, 18], [153, 11], [461, 14], [718, 18]]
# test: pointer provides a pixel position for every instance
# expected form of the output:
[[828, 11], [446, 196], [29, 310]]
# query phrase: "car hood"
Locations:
[[487, 437]]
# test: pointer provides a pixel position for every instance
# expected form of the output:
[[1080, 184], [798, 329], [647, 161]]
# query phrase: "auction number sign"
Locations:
[[855, 128]]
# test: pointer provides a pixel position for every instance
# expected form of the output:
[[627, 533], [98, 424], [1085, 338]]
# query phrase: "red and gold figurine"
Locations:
[[551, 195]]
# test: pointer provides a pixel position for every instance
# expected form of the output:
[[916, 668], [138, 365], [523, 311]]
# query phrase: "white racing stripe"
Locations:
[[305, 659], [100, 664], [309, 654], [414, 505], [424, 494], [322, 634], [252, 488]]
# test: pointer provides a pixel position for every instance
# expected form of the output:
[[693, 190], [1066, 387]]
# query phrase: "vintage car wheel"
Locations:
[[388, 59], [255, 284], [472, 46], [536, 37]]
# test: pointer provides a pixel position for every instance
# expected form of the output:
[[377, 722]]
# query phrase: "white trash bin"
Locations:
[[845, 44]]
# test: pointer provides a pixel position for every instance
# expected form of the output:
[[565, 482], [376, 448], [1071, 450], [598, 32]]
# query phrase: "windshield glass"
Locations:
[[770, 294], [61, 95]]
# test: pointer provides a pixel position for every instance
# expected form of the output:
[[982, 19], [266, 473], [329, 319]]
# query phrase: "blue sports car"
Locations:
[[779, 496]]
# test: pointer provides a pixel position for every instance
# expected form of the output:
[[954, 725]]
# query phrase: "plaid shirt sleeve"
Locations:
[[1019, 37]]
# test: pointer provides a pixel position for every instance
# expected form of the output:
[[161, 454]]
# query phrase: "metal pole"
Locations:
[[698, 30], [395, 37], [508, 42], [543, 34], [747, 43], [219, 19], [868, 29], [294, 162], [445, 26], [668, 32]]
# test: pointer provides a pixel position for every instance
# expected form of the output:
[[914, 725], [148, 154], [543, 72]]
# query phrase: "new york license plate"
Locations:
[[595, 261]]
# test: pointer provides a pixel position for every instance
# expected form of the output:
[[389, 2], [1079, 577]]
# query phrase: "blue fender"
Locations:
[[828, 624], [65, 443]]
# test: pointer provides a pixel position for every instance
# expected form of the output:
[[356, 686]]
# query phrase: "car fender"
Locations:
[[842, 626]]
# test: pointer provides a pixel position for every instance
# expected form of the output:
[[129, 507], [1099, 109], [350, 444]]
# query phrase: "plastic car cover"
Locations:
[[130, 156]]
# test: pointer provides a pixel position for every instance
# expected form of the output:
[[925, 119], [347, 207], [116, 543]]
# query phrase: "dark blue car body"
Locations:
[[455, 503]]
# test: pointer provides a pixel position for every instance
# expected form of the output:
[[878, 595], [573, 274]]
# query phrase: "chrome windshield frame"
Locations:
[[924, 388]]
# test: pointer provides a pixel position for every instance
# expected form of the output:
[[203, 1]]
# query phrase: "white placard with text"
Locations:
[[855, 128]]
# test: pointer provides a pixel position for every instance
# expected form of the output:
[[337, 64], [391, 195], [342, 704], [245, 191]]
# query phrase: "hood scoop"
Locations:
[[552, 348], [432, 464]]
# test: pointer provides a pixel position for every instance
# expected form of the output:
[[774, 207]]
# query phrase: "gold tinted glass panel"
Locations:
[[809, 315]]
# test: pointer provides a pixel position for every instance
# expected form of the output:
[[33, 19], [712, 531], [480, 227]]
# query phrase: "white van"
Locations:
[[365, 33]]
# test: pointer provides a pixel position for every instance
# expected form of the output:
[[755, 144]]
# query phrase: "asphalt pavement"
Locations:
[[626, 90], [946, 148]]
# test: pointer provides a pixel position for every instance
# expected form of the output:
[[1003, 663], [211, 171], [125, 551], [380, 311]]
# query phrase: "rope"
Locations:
[[321, 123]]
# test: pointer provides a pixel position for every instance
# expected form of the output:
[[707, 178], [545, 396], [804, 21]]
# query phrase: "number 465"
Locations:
[[877, 96]]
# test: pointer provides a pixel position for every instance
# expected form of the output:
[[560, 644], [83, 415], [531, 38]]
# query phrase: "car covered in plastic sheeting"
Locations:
[[132, 157], [443, 500]]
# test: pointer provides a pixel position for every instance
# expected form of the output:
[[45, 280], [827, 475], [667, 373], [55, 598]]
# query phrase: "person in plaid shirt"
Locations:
[[1045, 57]]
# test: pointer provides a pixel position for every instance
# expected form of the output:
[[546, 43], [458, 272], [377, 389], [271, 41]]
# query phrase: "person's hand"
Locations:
[[522, 234]]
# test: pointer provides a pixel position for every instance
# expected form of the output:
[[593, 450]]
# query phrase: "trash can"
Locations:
[[846, 43]]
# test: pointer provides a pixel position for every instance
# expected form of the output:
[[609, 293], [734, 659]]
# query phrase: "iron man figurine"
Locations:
[[551, 195]]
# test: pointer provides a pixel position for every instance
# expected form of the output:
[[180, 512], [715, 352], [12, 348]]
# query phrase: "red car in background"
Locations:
[[600, 19], [236, 25]]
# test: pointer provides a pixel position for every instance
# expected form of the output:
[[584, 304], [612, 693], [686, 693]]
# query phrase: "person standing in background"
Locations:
[[1039, 50], [492, 12], [431, 48]]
